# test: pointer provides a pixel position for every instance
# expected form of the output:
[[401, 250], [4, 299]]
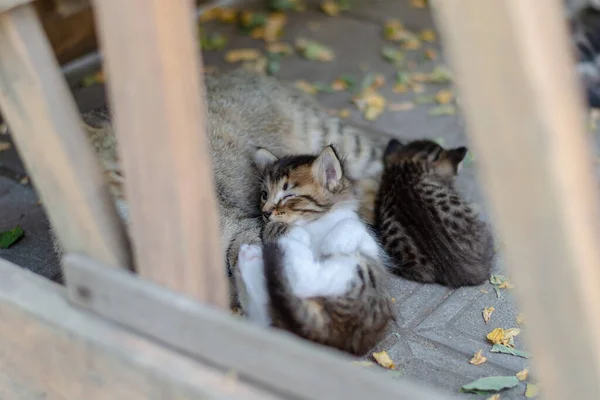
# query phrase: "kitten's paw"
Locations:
[[249, 258], [299, 234]]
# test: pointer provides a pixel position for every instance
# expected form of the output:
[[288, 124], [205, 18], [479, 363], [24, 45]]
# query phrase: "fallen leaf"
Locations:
[[5, 146], [378, 81], [306, 87], [431, 54], [384, 360], [487, 314], [443, 96], [440, 74], [281, 5], [251, 20], [234, 56], [285, 49], [370, 103], [213, 41], [8, 238], [24, 180], [344, 113], [418, 88], [532, 390], [330, 7], [392, 30], [522, 375], [228, 15], [363, 363], [478, 359], [314, 50], [344, 82], [520, 319], [499, 348], [273, 28], [393, 299], [427, 35], [405, 106], [93, 79], [490, 384], [273, 63], [503, 336], [392, 54], [445, 109], [494, 397], [210, 14], [418, 3]]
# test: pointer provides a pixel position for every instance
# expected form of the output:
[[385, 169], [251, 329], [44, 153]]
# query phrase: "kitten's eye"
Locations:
[[285, 186], [263, 195]]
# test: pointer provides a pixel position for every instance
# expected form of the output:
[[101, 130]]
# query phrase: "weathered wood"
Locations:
[[49, 135], [160, 122], [524, 117], [53, 351], [274, 359]]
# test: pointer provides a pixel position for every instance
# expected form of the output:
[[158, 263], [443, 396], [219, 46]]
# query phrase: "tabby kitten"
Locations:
[[432, 234], [323, 277]]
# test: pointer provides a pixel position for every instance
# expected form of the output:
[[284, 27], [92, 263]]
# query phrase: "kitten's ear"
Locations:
[[263, 158], [392, 147], [327, 168], [457, 156]]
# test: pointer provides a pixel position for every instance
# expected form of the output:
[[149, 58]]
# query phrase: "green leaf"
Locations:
[[498, 291], [368, 80], [532, 390], [402, 78], [273, 63], [498, 279], [11, 237], [500, 348], [255, 20], [440, 75], [350, 80], [214, 41], [444, 109], [281, 5], [392, 54], [491, 384]]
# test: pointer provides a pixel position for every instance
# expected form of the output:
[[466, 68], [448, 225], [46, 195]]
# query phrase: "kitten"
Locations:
[[323, 277], [246, 111], [431, 233]]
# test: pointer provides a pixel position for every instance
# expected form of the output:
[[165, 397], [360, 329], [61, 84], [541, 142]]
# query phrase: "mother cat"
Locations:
[[247, 111]]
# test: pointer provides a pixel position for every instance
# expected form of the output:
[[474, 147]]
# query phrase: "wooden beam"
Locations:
[[51, 350], [273, 359], [38, 106], [160, 122], [524, 117]]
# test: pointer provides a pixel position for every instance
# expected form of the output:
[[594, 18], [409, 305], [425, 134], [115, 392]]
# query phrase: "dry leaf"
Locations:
[[418, 88], [502, 336], [370, 103], [418, 3], [344, 113], [5, 146], [234, 56], [431, 54], [494, 397], [384, 360], [228, 15], [506, 285], [427, 35], [522, 375], [339, 85], [478, 359], [520, 319], [313, 50], [392, 30], [393, 299], [405, 106], [210, 14], [306, 87], [443, 96], [280, 48], [330, 7], [273, 29], [24, 180], [487, 314], [532, 390]]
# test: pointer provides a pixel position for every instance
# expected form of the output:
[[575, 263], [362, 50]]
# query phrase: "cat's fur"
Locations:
[[247, 111], [431, 233], [323, 279]]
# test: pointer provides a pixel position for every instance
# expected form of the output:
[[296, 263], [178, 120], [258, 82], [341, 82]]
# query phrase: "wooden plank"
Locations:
[[524, 117], [36, 102], [273, 359], [160, 122], [53, 351]]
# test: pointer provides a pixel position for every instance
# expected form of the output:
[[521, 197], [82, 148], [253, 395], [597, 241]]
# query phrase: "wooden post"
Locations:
[[42, 115], [524, 117], [153, 69]]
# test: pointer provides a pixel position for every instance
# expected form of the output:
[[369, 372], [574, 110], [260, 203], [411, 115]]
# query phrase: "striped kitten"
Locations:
[[432, 234], [323, 277]]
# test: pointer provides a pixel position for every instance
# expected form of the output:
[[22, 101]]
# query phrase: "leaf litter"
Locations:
[[532, 390], [487, 314], [478, 358], [503, 336], [384, 360], [522, 375], [490, 384], [313, 50], [499, 348]]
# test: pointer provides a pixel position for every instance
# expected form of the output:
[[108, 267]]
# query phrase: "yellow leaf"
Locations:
[[502, 336], [313, 50], [405, 106], [427, 35], [400, 88], [209, 15], [306, 87], [506, 285], [228, 15], [487, 314], [520, 319], [393, 299], [384, 360], [330, 7], [339, 85], [431, 54], [443, 96], [344, 113], [496, 336], [274, 26], [233, 56], [280, 48], [258, 33], [494, 397], [522, 375], [418, 3], [5, 146], [532, 390], [478, 359], [370, 103]]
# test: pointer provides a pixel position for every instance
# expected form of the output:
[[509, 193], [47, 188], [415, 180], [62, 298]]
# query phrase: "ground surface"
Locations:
[[439, 329]]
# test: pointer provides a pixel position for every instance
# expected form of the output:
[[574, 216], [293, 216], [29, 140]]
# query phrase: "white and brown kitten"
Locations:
[[323, 277], [431, 233]]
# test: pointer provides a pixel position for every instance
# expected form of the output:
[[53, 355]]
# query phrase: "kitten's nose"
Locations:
[[267, 214]]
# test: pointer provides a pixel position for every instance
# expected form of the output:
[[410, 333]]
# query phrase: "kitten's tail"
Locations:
[[304, 317]]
